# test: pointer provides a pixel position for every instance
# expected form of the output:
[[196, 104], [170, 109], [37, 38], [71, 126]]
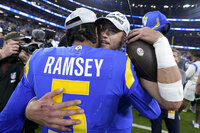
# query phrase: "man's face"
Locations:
[[177, 59], [110, 36], [12, 42], [190, 56], [12, 45], [22, 55]]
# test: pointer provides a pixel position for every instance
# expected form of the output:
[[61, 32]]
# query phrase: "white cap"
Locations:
[[85, 15], [119, 20]]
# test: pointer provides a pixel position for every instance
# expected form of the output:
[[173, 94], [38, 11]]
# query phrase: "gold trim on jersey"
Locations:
[[27, 68], [129, 74]]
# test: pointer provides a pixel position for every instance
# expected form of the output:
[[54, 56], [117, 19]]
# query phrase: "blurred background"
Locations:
[[26, 15]]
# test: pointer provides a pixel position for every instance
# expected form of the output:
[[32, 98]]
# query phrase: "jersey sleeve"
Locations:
[[145, 104], [191, 70], [12, 116]]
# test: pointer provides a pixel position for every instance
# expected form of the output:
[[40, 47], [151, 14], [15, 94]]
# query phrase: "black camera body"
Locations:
[[43, 36], [29, 48], [49, 34]]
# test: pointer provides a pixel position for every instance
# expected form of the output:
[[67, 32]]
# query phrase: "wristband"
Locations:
[[171, 92], [164, 53]]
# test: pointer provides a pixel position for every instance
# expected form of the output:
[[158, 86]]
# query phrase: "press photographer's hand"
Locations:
[[24, 56], [9, 48]]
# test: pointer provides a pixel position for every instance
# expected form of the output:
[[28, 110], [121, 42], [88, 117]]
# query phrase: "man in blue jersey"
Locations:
[[107, 38], [139, 102], [111, 37], [99, 77]]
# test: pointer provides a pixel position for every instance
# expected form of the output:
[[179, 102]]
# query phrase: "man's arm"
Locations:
[[190, 71], [168, 91], [152, 89], [48, 113]]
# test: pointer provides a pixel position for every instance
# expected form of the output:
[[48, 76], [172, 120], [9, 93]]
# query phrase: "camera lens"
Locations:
[[32, 48], [29, 48]]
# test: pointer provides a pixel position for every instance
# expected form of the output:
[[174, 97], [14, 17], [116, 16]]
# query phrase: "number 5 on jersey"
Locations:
[[72, 87]]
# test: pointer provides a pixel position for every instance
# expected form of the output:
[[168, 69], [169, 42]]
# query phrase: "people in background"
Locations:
[[189, 89], [12, 63], [197, 99]]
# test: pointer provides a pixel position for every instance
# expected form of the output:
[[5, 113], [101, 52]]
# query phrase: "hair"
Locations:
[[63, 41], [178, 52], [122, 41], [81, 33]]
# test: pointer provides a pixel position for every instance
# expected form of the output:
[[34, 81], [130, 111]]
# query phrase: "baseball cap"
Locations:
[[15, 36], [118, 19], [85, 16], [156, 21]]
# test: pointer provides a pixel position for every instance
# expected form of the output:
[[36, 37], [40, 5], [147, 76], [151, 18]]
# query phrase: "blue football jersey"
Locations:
[[101, 78]]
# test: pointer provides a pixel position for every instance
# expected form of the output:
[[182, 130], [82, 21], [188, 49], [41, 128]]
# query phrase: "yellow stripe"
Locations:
[[27, 68], [50, 131], [128, 74], [158, 23]]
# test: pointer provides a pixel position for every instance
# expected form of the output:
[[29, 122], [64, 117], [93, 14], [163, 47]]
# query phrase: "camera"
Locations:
[[44, 36], [29, 48], [49, 34]]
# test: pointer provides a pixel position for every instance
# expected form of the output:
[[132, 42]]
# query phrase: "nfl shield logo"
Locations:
[[13, 75]]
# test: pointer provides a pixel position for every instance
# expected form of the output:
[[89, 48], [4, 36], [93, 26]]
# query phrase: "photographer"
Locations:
[[11, 65], [13, 57]]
